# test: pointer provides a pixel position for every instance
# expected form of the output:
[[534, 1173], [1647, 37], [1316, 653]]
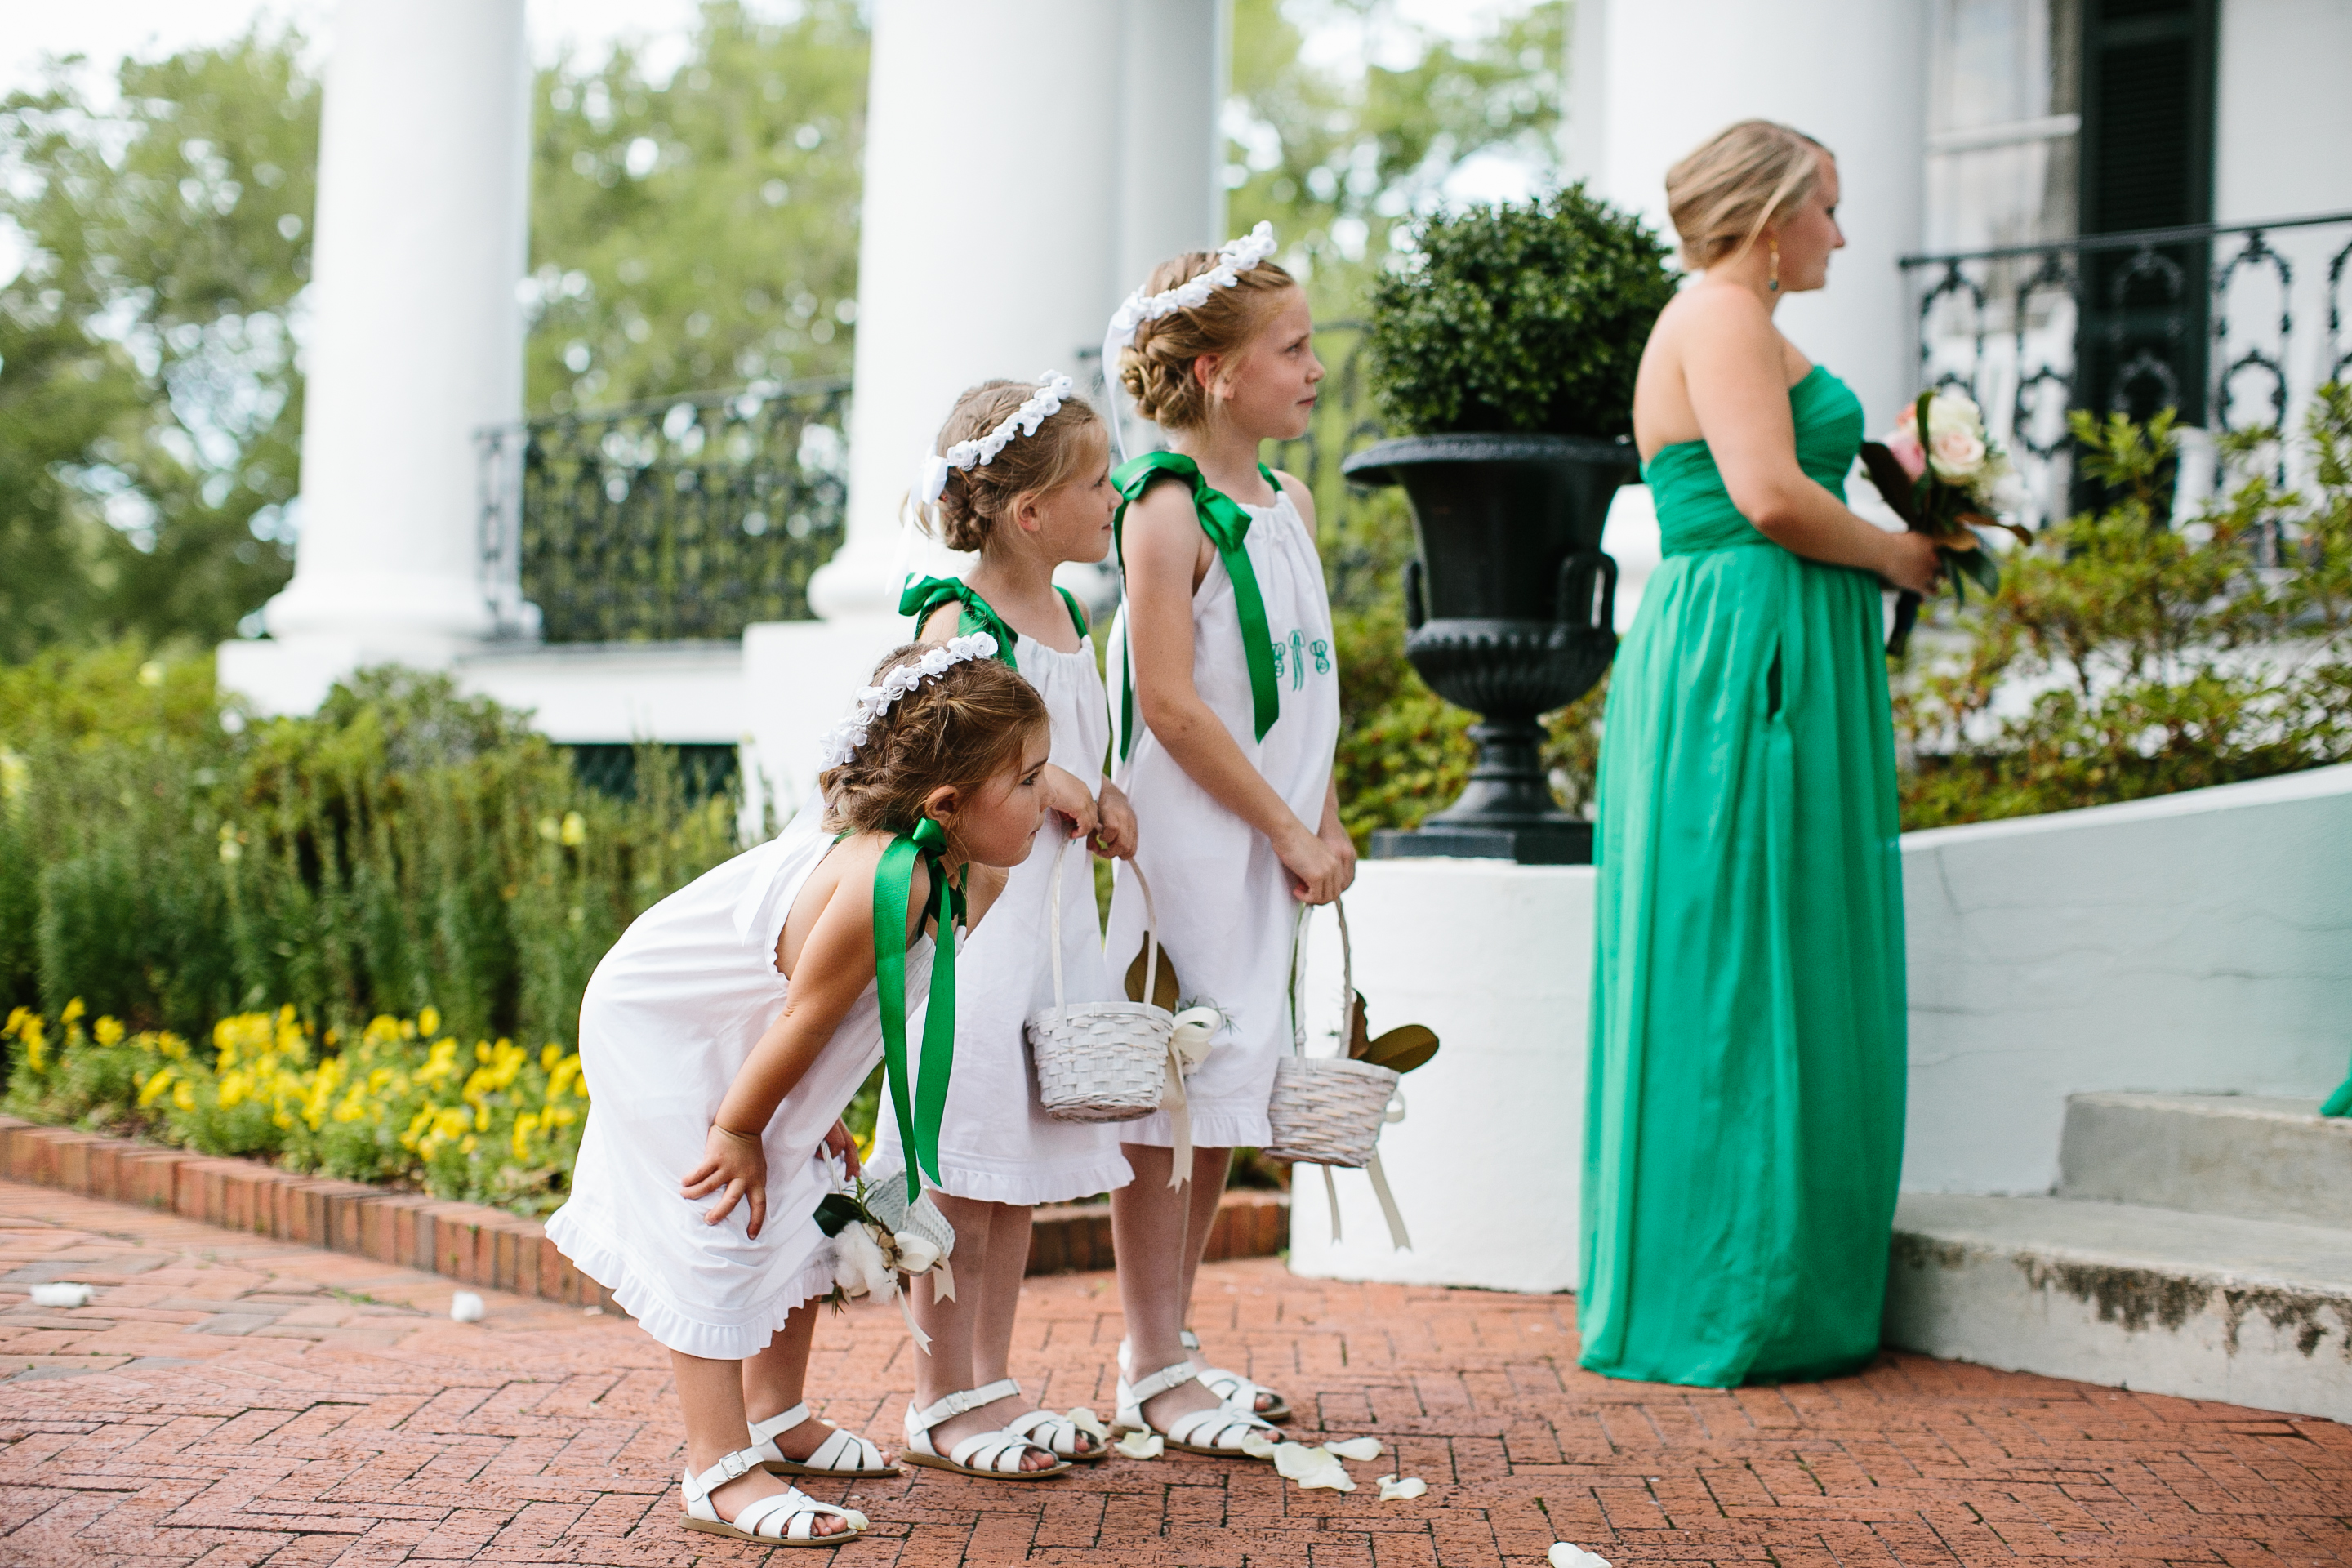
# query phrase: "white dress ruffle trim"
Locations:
[[664, 1318]]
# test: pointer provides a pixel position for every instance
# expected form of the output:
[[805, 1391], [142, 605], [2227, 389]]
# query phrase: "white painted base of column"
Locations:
[[1497, 958], [798, 679], [290, 675]]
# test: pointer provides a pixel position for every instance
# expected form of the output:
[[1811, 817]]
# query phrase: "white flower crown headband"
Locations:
[[841, 741], [931, 479], [1237, 258]]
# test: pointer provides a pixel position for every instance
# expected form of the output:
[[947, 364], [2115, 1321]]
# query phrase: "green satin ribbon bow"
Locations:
[[894, 883], [1227, 526], [920, 598]]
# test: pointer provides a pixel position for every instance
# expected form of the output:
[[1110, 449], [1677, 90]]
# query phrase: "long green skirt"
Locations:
[[1744, 1107]]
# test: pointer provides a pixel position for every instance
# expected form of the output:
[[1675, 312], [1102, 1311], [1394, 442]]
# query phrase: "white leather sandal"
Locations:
[[990, 1456], [1059, 1436], [788, 1519], [1219, 1431], [1236, 1390], [845, 1456]]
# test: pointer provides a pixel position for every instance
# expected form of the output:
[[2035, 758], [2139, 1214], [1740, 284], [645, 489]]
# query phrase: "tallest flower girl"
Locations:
[[1226, 728]]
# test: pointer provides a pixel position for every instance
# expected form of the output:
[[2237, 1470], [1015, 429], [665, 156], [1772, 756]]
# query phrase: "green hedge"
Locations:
[[167, 860]]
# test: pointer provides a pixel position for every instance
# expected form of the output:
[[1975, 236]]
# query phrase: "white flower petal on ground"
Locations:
[[1356, 1449], [61, 1293], [1141, 1446], [1311, 1468], [1402, 1488], [1258, 1446], [465, 1307], [1084, 1418], [1568, 1555]]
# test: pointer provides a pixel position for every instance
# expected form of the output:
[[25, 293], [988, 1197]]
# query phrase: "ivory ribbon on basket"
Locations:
[[1188, 1046], [1388, 1211]]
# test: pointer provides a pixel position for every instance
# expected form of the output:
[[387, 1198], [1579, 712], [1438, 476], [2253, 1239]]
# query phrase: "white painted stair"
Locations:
[[2198, 1246]]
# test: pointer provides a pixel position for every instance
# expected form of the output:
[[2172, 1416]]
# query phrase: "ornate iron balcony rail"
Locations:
[[2214, 320], [682, 518]]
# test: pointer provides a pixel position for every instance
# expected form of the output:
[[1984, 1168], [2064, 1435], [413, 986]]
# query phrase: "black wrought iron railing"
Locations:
[[684, 518], [2232, 324]]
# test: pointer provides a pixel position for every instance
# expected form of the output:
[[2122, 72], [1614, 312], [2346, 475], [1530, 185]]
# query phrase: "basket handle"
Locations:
[[1297, 964], [1150, 933]]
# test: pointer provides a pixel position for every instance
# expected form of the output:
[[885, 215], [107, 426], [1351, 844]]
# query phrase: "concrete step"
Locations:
[[2210, 1153], [2250, 1311]]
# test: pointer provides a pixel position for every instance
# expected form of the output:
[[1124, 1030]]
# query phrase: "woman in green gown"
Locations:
[[1743, 1106]]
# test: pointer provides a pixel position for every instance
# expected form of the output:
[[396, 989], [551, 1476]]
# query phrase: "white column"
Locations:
[[1176, 61], [986, 238], [416, 339], [1668, 73]]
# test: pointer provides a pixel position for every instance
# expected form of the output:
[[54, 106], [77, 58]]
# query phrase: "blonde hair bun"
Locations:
[[1745, 178]]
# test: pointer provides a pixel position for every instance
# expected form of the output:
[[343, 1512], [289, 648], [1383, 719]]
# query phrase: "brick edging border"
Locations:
[[471, 1243]]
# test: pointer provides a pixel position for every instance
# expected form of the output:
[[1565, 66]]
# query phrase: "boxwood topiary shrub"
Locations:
[[1518, 317]]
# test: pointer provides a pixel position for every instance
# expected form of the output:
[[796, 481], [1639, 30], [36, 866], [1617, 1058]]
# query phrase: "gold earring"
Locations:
[[1772, 279]]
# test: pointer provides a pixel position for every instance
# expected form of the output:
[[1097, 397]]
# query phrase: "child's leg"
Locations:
[[1208, 1189], [1000, 1303], [1154, 1229], [955, 1326], [711, 1396], [776, 1379]]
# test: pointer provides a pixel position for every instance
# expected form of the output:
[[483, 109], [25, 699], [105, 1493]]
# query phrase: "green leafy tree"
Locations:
[[149, 406], [702, 233]]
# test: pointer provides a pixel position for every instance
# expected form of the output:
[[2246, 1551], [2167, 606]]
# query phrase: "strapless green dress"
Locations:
[[1744, 1103]]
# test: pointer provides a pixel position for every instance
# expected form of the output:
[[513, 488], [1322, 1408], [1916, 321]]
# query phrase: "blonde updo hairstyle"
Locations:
[[1065, 443], [1747, 177], [963, 727], [1157, 368]]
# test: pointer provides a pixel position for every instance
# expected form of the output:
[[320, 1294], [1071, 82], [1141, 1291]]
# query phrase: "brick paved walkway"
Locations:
[[227, 1400]]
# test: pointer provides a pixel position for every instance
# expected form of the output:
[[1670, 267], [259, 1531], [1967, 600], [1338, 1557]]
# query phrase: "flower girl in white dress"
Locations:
[[1229, 721], [725, 1032], [1020, 473]]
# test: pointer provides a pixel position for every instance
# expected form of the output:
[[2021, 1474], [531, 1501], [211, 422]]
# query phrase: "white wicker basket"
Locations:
[[1325, 1111], [1100, 1061]]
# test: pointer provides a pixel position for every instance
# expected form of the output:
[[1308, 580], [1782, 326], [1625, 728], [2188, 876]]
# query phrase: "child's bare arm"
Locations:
[[1161, 545], [833, 969]]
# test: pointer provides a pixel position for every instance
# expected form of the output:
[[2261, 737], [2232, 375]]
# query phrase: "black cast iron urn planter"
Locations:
[[1510, 612]]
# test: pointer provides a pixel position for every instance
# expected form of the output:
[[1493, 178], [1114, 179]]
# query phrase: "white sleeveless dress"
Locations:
[[1226, 908], [996, 1142], [668, 1021]]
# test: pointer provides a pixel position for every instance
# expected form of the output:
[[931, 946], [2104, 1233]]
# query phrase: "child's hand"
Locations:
[[844, 1146], [1064, 794], [1115, 834], [1335, 838], [735, 1162], [1317, 875]]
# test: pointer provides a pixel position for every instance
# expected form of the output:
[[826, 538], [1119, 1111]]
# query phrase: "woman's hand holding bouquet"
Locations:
[[1945, 477]]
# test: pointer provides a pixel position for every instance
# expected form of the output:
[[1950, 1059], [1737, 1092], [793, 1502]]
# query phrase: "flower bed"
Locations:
[[402, 1103]]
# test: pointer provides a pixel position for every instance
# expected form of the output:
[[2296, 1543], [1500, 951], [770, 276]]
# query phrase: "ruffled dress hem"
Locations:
[[599, 1261], [1031, 1186], [1211, 1130]]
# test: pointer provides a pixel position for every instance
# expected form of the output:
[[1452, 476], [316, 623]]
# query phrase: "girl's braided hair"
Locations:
[[1157, 368], [1067, 441]]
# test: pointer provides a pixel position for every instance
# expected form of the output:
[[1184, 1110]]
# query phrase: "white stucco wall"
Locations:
[[2198, 942]]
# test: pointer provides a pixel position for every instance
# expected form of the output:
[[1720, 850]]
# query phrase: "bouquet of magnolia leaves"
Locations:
[[1945, 476]]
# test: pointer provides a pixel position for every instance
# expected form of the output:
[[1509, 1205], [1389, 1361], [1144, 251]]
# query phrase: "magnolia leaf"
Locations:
[[1164, 990], [1892, 483], [1359, 1032], [1404, 1048], [835, 1210]]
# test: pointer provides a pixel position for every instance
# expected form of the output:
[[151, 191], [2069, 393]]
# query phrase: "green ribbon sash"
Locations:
[[1227, 526], [894, 880], [920, 598]]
